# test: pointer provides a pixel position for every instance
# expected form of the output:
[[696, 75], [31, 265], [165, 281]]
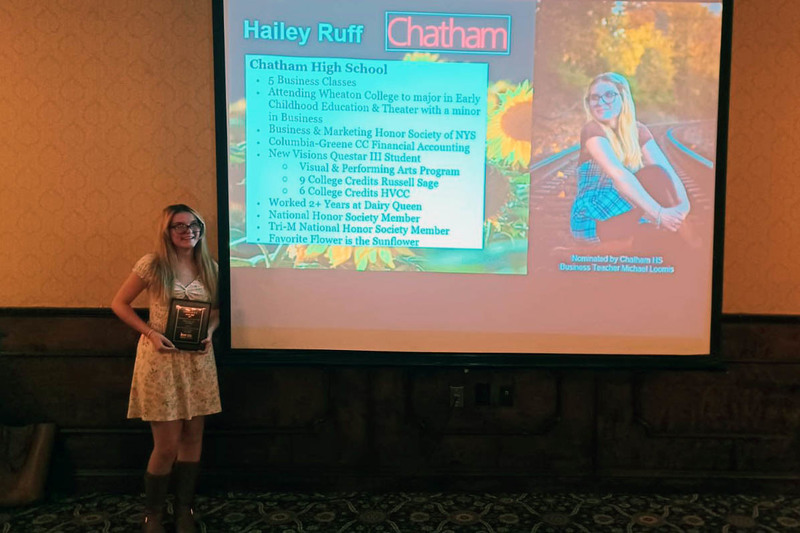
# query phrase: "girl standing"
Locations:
[[626, 185], [172, 389]]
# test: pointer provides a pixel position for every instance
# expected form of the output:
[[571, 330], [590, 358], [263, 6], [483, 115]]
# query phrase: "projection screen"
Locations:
[[471, 176]]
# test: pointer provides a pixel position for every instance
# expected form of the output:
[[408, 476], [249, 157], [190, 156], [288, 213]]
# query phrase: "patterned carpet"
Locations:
[[424, 512]]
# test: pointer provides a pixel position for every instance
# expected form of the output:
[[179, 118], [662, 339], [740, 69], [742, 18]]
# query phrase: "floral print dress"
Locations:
[[174, 385]]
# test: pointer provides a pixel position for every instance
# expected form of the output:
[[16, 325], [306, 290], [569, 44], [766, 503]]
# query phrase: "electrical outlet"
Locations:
[[456, 396], [506, 396]]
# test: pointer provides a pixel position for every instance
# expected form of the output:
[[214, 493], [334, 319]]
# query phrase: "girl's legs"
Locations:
[[621, 228], [657, 183], [191, 439], [166, 445], [166, 438], [180, 440], [178, 443], [187, 468]]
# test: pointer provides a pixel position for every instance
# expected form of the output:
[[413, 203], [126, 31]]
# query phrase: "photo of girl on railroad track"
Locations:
[[624, 131], [626, 187]]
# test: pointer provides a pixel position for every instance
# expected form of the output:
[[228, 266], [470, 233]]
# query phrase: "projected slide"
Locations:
[[471, 176], [362, 144], [357, 180]]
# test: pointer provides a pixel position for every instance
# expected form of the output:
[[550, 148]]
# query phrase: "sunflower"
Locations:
[[498, 192], [509, 131], [423, 56], [339, 255], [506, 204], [495, 90], [237, 108], [347, 257]]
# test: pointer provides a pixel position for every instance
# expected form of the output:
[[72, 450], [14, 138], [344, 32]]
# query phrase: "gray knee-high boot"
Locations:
[[155, 495], [185, 482]]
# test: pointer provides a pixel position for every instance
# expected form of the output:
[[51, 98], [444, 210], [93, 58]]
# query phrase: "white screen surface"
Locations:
[[427, 178]]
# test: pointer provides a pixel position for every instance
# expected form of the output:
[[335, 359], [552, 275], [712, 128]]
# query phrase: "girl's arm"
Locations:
[[121, 305], [627, 184], [654, 156], [213, 324], [213, 318]]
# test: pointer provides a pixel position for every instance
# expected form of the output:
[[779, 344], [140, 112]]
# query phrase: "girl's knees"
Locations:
[[192, 432], [166, 451]]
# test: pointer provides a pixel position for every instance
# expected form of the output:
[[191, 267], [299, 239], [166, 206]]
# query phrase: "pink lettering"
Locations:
[[404, 32]]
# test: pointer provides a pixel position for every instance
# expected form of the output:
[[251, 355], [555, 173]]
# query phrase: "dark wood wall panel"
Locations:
[[388, 427], [742, 421], [747, 338], [72, 391]]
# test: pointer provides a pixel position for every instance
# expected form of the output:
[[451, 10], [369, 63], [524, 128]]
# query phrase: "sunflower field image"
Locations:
[[506, 210]]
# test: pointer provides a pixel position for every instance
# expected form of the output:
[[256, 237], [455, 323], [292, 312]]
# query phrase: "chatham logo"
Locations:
[[441, 32]]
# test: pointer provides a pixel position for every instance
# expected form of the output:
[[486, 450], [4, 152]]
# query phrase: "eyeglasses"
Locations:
[[194, 227], [607, 97]]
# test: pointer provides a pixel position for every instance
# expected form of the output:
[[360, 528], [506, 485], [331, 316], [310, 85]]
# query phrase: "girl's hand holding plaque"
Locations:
[[187, 324]]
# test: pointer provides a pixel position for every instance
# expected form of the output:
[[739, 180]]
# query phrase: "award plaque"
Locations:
[[187, 323]]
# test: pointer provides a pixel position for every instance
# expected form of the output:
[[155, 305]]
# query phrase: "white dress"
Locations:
[[173, 385]]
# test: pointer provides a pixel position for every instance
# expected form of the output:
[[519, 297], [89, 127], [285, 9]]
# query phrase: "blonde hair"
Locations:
[[166, 259], [625, 138]]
